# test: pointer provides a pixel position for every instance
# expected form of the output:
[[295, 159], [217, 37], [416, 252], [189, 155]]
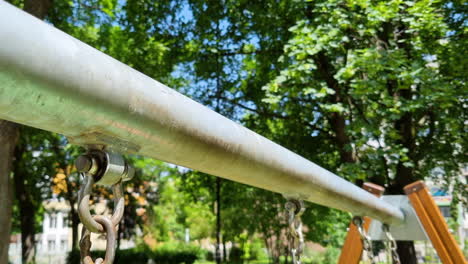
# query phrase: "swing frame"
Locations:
[[428, 214], [52, 81]]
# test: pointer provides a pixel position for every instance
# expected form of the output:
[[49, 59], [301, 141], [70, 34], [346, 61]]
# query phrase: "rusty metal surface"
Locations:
[[52, 81]]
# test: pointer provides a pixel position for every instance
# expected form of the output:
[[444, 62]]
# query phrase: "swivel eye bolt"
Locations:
[[86, 164], [296, 205], [106, 167]]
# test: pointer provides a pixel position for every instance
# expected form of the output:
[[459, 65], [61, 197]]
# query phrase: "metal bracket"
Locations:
[[411, 229], [106, 167]]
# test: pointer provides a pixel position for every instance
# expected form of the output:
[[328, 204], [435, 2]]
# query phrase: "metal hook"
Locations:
[[83, 204]]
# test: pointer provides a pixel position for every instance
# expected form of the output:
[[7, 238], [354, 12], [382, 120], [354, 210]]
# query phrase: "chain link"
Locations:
[[391, 244], [365, 238], [294, 210], [99, 223], [111, 235]]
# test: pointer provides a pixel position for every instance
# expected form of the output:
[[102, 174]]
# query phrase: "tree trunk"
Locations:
[[38, 8], [26, 208], [28, 233], [224, 251], [338, 123], [72, 200], [75, 221], [407, 252], [8, 137], [405, 174], [337, 120]]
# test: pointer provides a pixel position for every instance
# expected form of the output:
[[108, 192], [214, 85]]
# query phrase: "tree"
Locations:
[[235, 53], [8, 139], [377, 83], [175, 212], [372, 90], [141, 193], [101, 24], [9, 136], [66, 181], [224, 43], [33, 171]]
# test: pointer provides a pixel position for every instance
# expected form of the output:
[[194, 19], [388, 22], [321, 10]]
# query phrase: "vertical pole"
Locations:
[[352, 248], [434, 224]]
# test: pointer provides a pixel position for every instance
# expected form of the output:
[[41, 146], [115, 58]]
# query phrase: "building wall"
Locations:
[[55, 240]]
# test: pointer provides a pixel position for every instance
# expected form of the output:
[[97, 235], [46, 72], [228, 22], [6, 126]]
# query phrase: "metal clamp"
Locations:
[[358, 221], [104, 168], [107, 168], [295, 208]]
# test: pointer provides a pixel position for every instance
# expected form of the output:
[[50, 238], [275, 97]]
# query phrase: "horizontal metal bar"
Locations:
[[55, 82]]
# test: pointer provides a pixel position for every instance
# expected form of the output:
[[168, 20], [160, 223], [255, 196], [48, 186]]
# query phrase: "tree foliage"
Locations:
[[33, 171], [386, 69]]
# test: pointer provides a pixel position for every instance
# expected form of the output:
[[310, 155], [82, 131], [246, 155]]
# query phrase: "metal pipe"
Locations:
[[55, 82]]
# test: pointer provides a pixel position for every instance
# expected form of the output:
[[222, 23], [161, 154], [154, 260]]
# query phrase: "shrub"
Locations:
[[236, 255], [74, 256], [330, 256], [134, 255], [168, 253], [173, 252], [257, 250], [126, 256]]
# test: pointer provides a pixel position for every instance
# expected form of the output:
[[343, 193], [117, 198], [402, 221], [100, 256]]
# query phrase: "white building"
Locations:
[[56, 239], [54, 243]]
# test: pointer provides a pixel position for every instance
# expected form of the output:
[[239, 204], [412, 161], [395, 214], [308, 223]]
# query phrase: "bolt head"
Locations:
[[83, 163]]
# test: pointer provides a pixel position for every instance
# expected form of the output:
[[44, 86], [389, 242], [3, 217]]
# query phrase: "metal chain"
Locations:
[[99, 223], [365, 238], [294, 210], [111, 237], [391, 244], [84, 211]]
